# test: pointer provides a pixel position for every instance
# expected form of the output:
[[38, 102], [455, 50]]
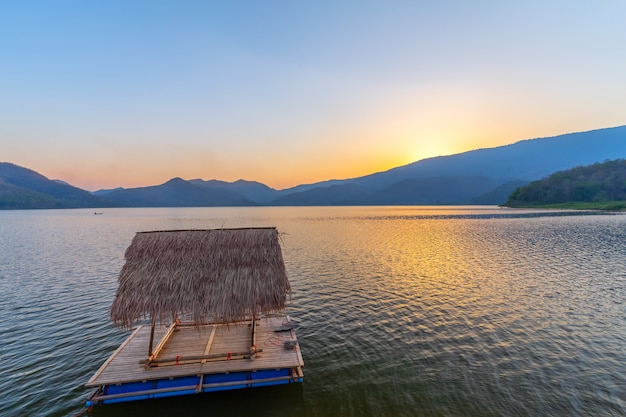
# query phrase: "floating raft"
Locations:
[[235, 281], [192, 359]]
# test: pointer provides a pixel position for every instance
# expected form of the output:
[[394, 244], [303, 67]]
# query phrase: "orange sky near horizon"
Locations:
[[279, 172], [118, 94]]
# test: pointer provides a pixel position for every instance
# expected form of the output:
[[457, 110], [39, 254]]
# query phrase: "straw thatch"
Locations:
[[221, 275]]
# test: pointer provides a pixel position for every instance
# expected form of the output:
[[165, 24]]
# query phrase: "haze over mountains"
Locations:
[[483, 176]]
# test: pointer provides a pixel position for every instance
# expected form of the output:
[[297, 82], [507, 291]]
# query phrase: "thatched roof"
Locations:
[[221, 275]]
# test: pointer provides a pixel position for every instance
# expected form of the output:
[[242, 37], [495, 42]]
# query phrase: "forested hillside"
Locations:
[[23, 188], [600, 182]]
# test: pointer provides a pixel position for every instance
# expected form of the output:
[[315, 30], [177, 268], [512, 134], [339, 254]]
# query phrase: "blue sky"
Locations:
[[132, 93]]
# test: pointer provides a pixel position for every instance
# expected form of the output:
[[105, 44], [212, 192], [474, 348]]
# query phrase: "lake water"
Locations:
[[401, 311]]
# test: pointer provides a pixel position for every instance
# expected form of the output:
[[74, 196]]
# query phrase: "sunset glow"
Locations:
[[128, 94]]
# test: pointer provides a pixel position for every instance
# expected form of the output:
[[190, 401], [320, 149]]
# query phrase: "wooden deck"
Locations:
[[215, 343]]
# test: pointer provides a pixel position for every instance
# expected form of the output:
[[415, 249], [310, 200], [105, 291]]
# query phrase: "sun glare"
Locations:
[[428, 149]]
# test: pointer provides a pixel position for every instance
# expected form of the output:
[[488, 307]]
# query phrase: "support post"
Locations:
[[253, 349], [151, 338]]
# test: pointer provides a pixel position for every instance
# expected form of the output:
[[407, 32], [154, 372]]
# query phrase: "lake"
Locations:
[[400, 311]]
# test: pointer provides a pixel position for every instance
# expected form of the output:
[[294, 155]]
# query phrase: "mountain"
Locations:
[[22, 188], [251, 190], [482, 176], [500, 193], [177, 193], [526, 160], [507, 167], [334, 195], [452, 190], [101, 193]]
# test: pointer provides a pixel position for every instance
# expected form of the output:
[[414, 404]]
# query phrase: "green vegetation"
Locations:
[[579, 205], [601, 186]]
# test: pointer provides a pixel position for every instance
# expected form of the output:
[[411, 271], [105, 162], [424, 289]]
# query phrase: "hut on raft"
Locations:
[[212, 302]]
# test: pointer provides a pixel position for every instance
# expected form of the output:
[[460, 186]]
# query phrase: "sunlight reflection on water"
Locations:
[[401, 310]]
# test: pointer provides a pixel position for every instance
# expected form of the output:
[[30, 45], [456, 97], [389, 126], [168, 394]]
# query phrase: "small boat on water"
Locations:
[[214, 300]]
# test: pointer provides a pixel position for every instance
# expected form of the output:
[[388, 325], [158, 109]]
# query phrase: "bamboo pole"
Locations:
[[151, 337], [180, 359], [164, 339], [209, 343], [253, 336]]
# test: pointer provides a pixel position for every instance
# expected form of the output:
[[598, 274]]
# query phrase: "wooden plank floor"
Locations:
[[124, 365]]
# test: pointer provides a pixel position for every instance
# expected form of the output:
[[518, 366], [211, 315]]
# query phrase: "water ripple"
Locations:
[[401, 311]]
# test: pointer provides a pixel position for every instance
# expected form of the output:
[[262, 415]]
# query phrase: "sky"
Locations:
[[132, 93]]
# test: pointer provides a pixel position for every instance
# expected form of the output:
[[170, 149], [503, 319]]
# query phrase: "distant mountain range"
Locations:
[[483, 176]]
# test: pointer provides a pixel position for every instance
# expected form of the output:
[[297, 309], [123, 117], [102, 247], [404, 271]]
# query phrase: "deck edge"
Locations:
[[110, 359]]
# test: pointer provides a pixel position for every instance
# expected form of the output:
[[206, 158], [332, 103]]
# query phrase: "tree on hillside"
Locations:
[[599, 182]]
